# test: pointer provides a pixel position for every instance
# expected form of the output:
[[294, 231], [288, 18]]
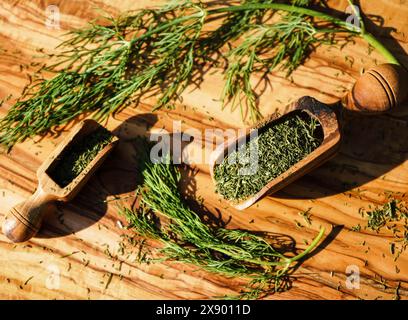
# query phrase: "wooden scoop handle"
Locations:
[[379, 90], [24, 220]]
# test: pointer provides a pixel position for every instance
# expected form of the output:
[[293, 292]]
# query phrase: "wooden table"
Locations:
[[82, 242]]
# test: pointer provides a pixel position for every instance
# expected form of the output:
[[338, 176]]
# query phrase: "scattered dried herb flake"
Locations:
[[278, 146]]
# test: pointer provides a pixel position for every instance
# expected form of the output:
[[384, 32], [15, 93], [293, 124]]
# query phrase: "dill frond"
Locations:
[[105, 67], [163, 216]]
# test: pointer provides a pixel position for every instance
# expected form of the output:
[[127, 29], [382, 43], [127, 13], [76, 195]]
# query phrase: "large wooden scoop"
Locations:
[[379, 90], [24, 220]]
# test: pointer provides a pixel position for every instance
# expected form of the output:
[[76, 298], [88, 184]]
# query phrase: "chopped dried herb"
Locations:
[[28, 280], [396, 293], [69, 254], [77, 156], [110, 276], [162, 215], [298, 224], [306, 215], [277, 147], [356, 228]]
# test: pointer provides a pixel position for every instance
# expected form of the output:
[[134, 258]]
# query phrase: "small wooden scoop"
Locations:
[[24, 220], [378, 91]]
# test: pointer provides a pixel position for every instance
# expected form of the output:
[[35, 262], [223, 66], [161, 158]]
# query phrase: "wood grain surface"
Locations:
[[84, 243]]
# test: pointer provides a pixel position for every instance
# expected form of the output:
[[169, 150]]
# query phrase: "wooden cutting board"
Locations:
[[83, 245]]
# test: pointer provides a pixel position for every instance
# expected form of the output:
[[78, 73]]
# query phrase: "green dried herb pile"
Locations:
[[276, 148], [162, 215], [77, 156]]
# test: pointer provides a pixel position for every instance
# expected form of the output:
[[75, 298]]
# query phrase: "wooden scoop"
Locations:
[[379, 90], [24, 220]]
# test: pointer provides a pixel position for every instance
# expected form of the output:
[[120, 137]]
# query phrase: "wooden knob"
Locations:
[[381, 89], [24, 220]]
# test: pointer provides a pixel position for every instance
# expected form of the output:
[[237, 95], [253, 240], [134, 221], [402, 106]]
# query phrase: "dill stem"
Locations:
[[283, 7], [380, 47], [166, 26], [317, 14], [287, 261], [254, 261], [310, 248]]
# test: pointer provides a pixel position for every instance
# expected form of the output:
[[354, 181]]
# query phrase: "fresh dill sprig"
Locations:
[[285, 44], [103, 66], [186, 238], [158, 52], [278, 146]]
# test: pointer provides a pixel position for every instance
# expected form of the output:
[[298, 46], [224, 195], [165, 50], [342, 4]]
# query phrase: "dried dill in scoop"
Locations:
[[278, 146], [184, 236], [77, 156]]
